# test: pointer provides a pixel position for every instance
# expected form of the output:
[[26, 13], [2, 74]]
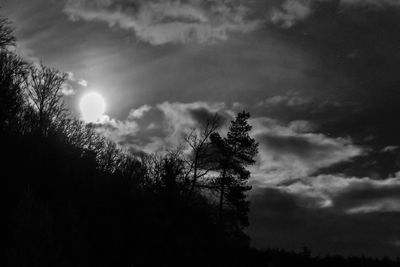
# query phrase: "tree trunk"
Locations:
[[221, 198], [194, 176]]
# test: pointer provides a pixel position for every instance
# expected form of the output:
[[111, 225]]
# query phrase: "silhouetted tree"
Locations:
[[200, 162], [233, 154], [79, 134], [108, 156], [44, 86], [13, 71], [172, 171]]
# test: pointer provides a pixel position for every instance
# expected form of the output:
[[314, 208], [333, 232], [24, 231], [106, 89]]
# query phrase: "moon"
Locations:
[[92, 106]]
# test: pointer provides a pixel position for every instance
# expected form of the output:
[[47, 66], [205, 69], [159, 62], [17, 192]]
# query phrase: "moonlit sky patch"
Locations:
[[92, 107]]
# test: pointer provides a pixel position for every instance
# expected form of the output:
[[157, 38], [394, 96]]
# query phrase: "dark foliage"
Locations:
[[232, 154]]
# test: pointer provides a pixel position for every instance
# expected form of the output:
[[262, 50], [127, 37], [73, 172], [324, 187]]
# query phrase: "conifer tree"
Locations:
[[233, 154]]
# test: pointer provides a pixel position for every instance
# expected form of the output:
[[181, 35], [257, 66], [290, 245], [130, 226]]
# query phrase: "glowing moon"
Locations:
[[92, 106]]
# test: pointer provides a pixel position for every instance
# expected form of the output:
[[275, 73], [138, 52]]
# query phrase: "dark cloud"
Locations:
[[292, 11], [373, 163], [203, 115], [300, 146]]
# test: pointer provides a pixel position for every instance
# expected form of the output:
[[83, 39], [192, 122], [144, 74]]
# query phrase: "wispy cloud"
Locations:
[[290, 99], [160, 22], [72, 84], [67, 90], [292, 150], [350, 195], [291, 11], [139, 112], [83, 82]]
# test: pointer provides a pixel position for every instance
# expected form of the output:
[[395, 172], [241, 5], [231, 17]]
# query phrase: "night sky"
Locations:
[[321, 79]]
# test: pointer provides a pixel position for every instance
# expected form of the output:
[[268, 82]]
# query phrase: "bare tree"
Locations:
[[108, 157], [6, 34], [13, 71], [43, 86], [199, 162], [78, 133]]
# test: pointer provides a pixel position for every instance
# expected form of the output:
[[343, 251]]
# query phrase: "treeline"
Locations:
[[73, 198], [281, 258]]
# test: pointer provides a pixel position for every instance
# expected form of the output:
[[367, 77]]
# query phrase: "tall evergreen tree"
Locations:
[[233, 154]]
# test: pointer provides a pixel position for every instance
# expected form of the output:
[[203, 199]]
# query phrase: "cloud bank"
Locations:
[[288, 150], [168, 21]]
